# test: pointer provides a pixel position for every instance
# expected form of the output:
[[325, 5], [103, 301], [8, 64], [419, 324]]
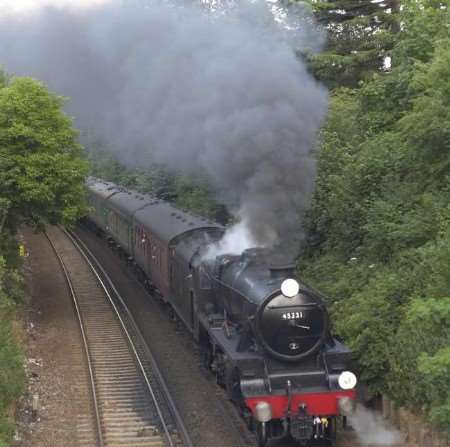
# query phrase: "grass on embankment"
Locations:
[[12, 375]]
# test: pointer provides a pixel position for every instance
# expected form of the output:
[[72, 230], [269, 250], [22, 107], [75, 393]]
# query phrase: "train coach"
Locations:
[[264, 333], [155, 235]]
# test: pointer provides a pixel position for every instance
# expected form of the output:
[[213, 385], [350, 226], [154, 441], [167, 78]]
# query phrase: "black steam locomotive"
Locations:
[[264, 333]]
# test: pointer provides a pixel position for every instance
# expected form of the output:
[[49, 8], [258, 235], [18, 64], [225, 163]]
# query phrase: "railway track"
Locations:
[[131, 404]]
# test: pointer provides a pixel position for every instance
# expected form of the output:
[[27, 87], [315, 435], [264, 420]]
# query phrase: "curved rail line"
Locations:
[[132, 405]]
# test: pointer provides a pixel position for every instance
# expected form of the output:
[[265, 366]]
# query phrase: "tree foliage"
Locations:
[[42, 169], [360, 35], [379, 238], [12, 377], [183, 190]]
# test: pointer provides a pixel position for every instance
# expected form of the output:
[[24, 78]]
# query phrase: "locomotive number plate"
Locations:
[[292, 315]]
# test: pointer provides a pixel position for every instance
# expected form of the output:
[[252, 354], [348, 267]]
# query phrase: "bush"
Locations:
[[378, 235], [420, 359], [12, 375]]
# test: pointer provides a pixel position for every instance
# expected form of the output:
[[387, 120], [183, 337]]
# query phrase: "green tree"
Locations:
[[360, 36], [378, 231], [197, 197], [12, 376], [42, 168], [420, 359], [184, 191]]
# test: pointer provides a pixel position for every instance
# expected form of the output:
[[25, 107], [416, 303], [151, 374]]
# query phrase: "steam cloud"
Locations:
[[217, 92], [372, 430]]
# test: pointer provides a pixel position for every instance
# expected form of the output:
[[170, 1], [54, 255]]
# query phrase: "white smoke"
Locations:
[[21, 7], [236, 239], [373, 430]]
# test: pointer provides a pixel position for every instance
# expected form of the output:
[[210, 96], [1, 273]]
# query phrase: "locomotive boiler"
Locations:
[[263, 332]]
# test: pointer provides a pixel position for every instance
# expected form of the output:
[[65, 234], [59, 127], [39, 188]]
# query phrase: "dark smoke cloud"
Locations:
[[220, 93]]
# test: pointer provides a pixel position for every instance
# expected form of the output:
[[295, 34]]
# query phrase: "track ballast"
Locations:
[[131, 405]]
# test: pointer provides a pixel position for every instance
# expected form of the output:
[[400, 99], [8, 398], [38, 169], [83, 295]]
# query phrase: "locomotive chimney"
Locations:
[[286, 270]]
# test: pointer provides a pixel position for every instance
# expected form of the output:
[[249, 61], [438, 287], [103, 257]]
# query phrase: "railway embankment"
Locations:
[[416, 431], [52, 409], [11, 354]]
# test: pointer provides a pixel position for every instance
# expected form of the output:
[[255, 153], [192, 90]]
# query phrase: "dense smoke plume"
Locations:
[[217, 92]]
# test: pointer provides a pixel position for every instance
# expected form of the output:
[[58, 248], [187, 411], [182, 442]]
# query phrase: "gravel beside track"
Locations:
[[56, 362], [127, 409]]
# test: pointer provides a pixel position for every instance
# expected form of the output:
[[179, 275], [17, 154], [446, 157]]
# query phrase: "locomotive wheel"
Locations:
[[261, 433]]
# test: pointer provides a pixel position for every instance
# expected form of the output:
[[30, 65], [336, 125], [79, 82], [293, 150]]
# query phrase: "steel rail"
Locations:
[[130, 341], [89, 256], [85, 342]]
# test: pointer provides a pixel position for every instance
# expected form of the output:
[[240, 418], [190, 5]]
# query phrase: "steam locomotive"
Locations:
[[264, 334]]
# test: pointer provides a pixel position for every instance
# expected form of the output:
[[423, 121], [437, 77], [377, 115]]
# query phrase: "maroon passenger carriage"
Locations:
[[264, 333]]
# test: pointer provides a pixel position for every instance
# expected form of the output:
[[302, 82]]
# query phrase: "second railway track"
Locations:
[[131, 405]]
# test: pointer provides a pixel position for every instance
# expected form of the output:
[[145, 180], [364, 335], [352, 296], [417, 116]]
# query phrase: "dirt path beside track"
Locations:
[[55, 360]]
